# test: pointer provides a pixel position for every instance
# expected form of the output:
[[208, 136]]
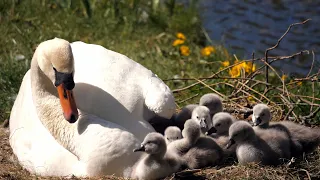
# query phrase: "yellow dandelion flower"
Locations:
[[207, 51], [225, 63], [249, 67], [250, 99], [184, 50], [299, 83], [284, 77], [177, 42], [235, 71], [254, 68], [181, 36]]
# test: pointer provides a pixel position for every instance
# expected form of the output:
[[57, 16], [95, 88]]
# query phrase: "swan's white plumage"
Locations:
[[112, 117], [135, 87]]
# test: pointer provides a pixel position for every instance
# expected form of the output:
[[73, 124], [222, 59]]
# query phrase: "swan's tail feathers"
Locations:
[[159, 98]]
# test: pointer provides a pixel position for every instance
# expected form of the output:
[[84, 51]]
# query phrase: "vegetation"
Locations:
[[166, 37]]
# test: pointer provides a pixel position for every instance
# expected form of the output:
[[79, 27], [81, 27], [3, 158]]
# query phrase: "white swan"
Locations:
[[101, 140], [139, 90]]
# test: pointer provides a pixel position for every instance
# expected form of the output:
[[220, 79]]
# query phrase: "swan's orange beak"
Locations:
[[68, 104]]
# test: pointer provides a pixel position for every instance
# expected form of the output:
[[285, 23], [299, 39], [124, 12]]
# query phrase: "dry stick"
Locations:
[[311, 64], [277, 44], [311, 108], [283, 83], [243, 91], [222, 95], [210, 77], [288, 102], [308, 174], [310, 116], [184, 100], [274, 59], [291, 109], [256, 92]]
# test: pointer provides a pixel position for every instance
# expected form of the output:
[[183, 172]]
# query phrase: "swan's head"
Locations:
[[221, 123], [153, 143], [191, 130], [261, 114], [56, 62], [202, 115], [239, 132], [172, 133], [213, 102]]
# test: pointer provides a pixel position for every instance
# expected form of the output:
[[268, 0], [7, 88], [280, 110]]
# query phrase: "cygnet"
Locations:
[[156, 163], [202, 115], [303, 139], [213, 102], [268, 147], [195, 151], [221, 123], [172, 133], [184, 115]]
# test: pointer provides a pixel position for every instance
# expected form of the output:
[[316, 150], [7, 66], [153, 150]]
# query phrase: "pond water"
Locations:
[[246, 26]]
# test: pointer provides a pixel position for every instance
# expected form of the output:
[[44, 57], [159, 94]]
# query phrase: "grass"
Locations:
[[145, 31]]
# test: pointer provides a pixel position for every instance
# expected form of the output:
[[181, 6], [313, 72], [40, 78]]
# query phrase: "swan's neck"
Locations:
[[48, 107]]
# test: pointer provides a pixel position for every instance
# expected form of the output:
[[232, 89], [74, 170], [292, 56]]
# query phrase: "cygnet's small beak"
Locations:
[[203, 123], [230, 143], [211, 131], [257, 122], [142, 148], [68, 104]]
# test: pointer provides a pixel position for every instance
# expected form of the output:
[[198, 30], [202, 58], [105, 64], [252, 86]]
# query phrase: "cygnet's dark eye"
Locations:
[[218, 124], [167, 138], [262, 114], [197, 117], [177, 138]]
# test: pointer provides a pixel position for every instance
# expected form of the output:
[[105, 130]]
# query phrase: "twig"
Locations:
[[182, 101], [277, 44]]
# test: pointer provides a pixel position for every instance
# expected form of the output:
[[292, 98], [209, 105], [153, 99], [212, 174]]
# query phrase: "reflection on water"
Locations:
[[253, 26]]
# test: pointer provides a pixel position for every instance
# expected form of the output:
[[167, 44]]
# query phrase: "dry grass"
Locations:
[[304, 168]]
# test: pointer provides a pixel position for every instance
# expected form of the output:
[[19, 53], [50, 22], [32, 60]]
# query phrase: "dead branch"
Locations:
[[277, 44]]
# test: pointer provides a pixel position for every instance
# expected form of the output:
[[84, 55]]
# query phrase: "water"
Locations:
[[253, 26]]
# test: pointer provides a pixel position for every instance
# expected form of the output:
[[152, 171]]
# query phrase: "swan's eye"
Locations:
[[197, 117], [262, 114], [168, 139], [218, 125]]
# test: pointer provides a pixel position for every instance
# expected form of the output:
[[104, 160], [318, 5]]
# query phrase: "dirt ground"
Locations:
[[304, 168]]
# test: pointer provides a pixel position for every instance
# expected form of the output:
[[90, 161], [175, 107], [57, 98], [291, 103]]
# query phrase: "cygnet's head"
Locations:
[[154, 144], [202, 115], [191, 130], [172, 133], [261, 114], [221, 123], [239, 132], [213, 102]]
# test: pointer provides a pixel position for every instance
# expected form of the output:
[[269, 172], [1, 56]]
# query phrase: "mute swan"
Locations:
[[213, 102], [157, 163], [267, 147], [101, 140], [202, 115], [210, 100], [139, 90], [172, 133], [221, 123], [195, 151], [303, 139]]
